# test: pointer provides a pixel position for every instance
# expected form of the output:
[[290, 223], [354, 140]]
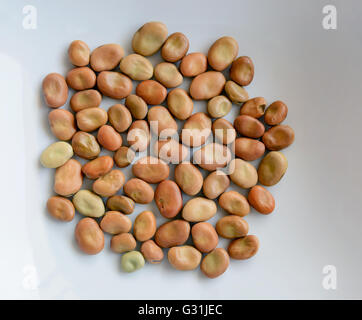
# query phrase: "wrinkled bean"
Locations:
[[222, 53], [91, 119], [219, 106], [56, 154], [55, 90], [132, 261], [151, 91], [109, 138], [98, 167], [136, 67], [85, 99], [121, 203], [61, 208], [272, 168], [180, 104], [62, 124], [137, 106], [278, 137], [215, 184], [89, 236], [236, 93], [124, 157], [184, 257], [151, 169], [243, 173], [167, 74], [261, 200], [168, 199], [109, 184], [119, 117], [114, 222], [114, 84], [161, 121], [199, 209], [204, 236], [138, 136], [88, 204], [81, 78], [243, 248], [151, 252], [276, 113], [215, 263], [248, 149], [144, 227], [79, 53], [173, 233], [196, 130], [189, 178], [207, 85], [223, 131], [138, 190], [106, 57], [123, 242], [242, 71], [212, 156], [68, 178], [85, 145], [193, 64], [249, 126], [254, 107], [234, 203], [231, 227]]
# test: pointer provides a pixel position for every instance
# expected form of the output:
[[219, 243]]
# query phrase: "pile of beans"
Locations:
[[220, 78]]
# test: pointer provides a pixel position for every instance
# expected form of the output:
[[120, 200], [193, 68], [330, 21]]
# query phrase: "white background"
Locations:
[[318, 218]]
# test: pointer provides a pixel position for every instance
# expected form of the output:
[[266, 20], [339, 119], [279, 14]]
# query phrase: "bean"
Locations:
[[78, 53], [62, 124], [193, 64], [68, 178], [149, 38], [151, 91], [231, 227], [124, 157], [223, 131], [167, 74], [222, 53], [248, 149], [152, 252], [276, 113], [81, 78], [138, 190], [175, 47], [218, 106], [119, 117], [109, 184], [243, 173], [242, 71], [212, 156], [184, 257], [180, 104], [89, 236], [215, 263], [170, 151], [88, 204], [215, 184], [85, 99], [207, 85], [151, 169], [138, 136], [161, 121], [114, 84], [249, 126], [144, 226], [236, 93], [98, 167], [243, 248], [172, 233], [204, 236], [168, 199], [189, 178], [60, 208], [132, 261], [114, 222], [56, 154], [123, 242], [137, 106], [196, 130], [106, 57], [136, 67], [234, 203], [121, 203], [254, 107], [272, 168], [85, 145], [55, 90], [261, 200], [109, 138], [199, 209], [278, 137], [91, 119]]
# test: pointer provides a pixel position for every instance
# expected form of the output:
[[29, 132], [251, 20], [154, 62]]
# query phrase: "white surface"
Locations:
[[318, 218]]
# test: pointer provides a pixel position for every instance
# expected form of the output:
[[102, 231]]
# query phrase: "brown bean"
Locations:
[[212, 156], [138, 190], [109, 184], [193, 64], [170, 151], [123, 157], [144, 227], [151, 169], [172, 233], [62, 124], [114, 222], [119, 117], [243, 173], [55, 90], [81, 78], [196, 130], [222, 53], [85, 99], [123, 242], [85, 145], [189, 178], [151, 91], [234, 203], [207, 85], [215, 263], [242, 71], [204, 236], [249, 149], [219, 106], [121, 203], [61, 208], [175, 47], [276, 113], [136, 67], [138, 136], [114, 84], [180, 104], [78, 53], [272, 168], [254, 107], [278, 137], [89, 236], [106, 57], [109, 138], [97, 167], [223, 131], [152, 252], [199, 209], [215, 184], [243, 248], [91, 119], [167, 74], [231, 227], [68, 178], [184, 257], [249, 126], [236, 93], [137, 106], [261, 200], [168, 199], [161, 121]]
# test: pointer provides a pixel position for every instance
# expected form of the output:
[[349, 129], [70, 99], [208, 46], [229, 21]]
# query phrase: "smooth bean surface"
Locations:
[[161, 121], [242, 71], [114, 84], [215, 263], [88, 204], [136, 67], [235, 203], [89, 236], [114, 222], [249, 126], [55, 90], [137, 106], [138, 136], [109, 184], [79, 53], [248, 149], [106, 57], [218, 106], [261, 200], [272, 168], [276, 113], [152, 252], [231, 227], [184, 257], [81, 78], [121, 203], [189, 178], [85, 145], [123, 157], [62, 124], [223, 131], [222, 53], [91, 119], [119, 117], [196, 129], [173, 233], [85, 99], [215, 184], [151, 169], [151, 91], [138, 190], [243, 248], [144, 226], [167, 74], [68, 178], [278, 137], [109, 138], [236, 93], [171, 151], [254, 107], [168, 198], [123, 242], [175, 47], [204, 236], [180, 104], [60, 208], [212, 156], [243, 173], [56, 154], [199, 209], [193, 64], [98, 167], [207, 85]]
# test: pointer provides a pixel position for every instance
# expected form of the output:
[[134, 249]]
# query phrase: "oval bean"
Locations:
[[138, 136], [196, 130], [254, 107], [61, 208], [261, 200], [114, 84], [85, 145], [218, 106], [136, 67], [215, 263], [151, 91], [193, 64], [109, 138], [114, 222], [199, 209], [249, 149], [234, 203], [168, 199], [243, 173], [167, 74], [137, 106], [180, 104], [124, 157], [55, 90], [222, 53], [144, 227], [97, 167], [175, 47], [81, 78], [89, 236], [132, 261], [204, 237], [276, 113], [272, 168], [207, 85], [215, 184], [249, 126], [109, 184], [88, 204], [151, 252], [68, 178], [151, 169], [56, 154], [79, 53], [91, 119], [231, 227], [121, 203], [138, 190], [223, 131], [278, 137], [242, 71], [123, 242], [85, 99], [161, 122], [62, 124], [171, 151], [212, 156], [173, 233], [243, 248], [189, 178], [106, 57], [236, 93], [184, 257], [119, 117]]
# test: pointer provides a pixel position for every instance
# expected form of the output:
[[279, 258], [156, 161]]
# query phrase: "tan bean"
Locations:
[[109, 138], [215, 263], [236, 93], [207, 85], [114, 84], [261, 200], [212, 156], [189, 178], [149, 38], [106, 57], [121, 203], [68, 178], [196, 130], [56, 154], [119, 117], [55, 90], [91, 119], [89, 236], [234, 203], [278, 137], [161, 121], [61, 208], [222, 53], [85, 145], [272, 168], [171, 151], [85, 99], [144, 227], [172, 233], [124, 157], [180, 104], [97, 167], [168, 199], [231, 227], [199, 209], [243, 248], [249, 126], [215, 184], [167, 74], [79, 53], [175, 47], [254, 107], [151, 169], [151, 91], [249, 149], [243, 173], [138, 136], [136, 67], [62, 124], [109, 184], [123, 242], [114, 222], [223, 131], [88, 204], [137, 106], [81, 78], [138, 190], [218, 106], [242, 71], [204, 236], [193, 64], [276, 113], [151, 252], [184, 257]]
